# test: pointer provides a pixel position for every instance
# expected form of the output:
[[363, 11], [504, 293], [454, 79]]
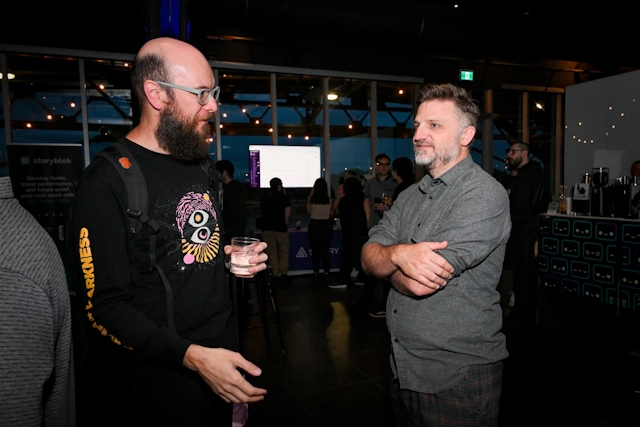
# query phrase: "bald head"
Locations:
[[179, 57], [169, 60]]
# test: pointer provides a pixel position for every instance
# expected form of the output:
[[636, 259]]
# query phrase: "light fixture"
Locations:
[[73, 105], [10, 76], [401, 92], [306, 138], [257, 122], [332, 96], [270, 129], [350, 126], [289, 136]]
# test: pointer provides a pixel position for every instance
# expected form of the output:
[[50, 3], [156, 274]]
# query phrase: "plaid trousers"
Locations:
[[475, 401]]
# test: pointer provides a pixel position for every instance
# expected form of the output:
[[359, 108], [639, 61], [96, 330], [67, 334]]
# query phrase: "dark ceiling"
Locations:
[[399, 37]]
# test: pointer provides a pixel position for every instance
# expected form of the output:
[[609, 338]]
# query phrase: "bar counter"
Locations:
[[595, 258]]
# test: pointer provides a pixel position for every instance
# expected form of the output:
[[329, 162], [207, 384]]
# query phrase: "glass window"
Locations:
[[245, 119], [110, 106], [395, 119], [350, 128], [45, 99]]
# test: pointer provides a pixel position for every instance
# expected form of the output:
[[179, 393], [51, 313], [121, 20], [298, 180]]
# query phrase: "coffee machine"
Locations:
[[599, 196]]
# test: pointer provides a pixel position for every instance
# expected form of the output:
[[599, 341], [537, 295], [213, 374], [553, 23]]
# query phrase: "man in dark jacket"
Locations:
[[233, 201], [525, 187]]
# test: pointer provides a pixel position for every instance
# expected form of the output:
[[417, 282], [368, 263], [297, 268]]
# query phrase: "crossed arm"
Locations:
[[415, 270]]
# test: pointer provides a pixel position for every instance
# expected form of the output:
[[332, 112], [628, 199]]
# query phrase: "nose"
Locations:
[[420, 134], [212, 105]]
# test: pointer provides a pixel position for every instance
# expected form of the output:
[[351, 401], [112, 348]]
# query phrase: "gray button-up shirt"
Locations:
[[435, 339]]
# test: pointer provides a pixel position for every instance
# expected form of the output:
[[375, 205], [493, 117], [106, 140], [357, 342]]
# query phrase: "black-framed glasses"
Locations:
[[382, 164], [204, 95], [513, 151]]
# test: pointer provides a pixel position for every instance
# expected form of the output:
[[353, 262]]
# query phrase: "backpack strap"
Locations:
[[136, 185], [138, 199]]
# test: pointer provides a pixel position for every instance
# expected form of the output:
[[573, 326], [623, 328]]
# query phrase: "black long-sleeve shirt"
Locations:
[[127, 304]]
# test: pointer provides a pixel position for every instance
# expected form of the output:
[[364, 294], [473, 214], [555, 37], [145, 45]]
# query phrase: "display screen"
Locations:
[[296, 166]]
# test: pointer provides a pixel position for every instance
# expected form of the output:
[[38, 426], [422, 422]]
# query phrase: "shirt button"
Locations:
[[430, 197], [395, 311], [395, 339]]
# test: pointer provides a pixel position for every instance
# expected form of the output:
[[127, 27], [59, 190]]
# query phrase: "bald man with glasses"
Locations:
[[162, 341]]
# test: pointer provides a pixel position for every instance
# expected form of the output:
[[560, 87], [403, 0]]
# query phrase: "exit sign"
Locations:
[[466, 75]]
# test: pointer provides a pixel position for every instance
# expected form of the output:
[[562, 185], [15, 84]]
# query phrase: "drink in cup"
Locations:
[[242, 250]]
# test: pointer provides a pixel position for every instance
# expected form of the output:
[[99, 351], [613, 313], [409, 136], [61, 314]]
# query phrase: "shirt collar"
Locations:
[[6, 191], [454, 174]]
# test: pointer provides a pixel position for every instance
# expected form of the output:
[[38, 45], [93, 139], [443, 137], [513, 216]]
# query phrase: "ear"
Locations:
[[467, 136], [156, 96]]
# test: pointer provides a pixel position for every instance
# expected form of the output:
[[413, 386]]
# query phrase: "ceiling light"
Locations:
[[332, 96], [11, 76]]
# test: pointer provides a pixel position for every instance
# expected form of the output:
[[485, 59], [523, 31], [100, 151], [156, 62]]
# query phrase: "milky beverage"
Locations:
[[240, 262]]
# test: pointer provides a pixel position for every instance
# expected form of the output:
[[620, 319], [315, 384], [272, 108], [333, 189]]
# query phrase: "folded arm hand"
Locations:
[[415, 270]]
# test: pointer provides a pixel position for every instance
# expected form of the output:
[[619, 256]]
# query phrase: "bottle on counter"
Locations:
[[562, 200]]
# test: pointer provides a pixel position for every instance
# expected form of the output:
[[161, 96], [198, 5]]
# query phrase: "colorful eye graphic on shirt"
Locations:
[[198, 225]]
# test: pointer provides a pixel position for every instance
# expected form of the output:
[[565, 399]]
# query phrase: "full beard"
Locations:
[[438, 157], [181, 138]]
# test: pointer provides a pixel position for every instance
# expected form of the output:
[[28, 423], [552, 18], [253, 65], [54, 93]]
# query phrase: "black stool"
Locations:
[[267, 305]]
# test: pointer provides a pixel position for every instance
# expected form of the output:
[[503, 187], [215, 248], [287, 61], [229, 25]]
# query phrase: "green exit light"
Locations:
[[466, 75]]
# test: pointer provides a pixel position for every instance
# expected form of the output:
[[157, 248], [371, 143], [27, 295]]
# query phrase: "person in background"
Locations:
[[524, 185], [402, 173], [354, 231], [163, 347], [320, 228], [340, 193], [377, 189], [276, 213], [442, 245], [233, 201], [37, 374]]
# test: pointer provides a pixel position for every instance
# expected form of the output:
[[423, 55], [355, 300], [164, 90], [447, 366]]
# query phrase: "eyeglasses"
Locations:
[[513, 151], [382, 164], [204, 95]]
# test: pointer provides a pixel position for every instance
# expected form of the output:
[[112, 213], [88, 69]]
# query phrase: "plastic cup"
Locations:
[[242, 250]]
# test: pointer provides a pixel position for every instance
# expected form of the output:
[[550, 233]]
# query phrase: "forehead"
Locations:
[[196, 74], [432, 110]]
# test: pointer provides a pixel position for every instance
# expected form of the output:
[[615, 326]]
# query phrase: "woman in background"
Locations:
[[354, 231], [320, 227]]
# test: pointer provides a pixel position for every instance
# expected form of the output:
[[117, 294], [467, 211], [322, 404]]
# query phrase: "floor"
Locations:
[[579, 369]]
